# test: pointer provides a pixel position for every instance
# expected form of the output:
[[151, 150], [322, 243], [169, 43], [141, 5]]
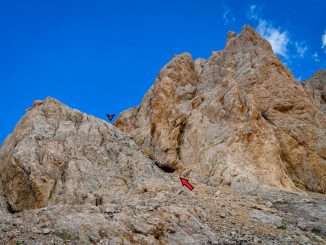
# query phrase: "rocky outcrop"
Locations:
[[59, 155], [206, 215], [238, 116], [316, 89], [3, 204], [66, 173]]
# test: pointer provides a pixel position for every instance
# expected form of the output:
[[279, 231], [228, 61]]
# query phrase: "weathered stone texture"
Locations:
[[238, 116]]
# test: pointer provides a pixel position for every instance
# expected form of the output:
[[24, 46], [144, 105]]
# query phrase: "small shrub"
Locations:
[[64, 235]]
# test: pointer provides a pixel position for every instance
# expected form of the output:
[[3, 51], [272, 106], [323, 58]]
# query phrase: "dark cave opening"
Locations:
[[167, 169]]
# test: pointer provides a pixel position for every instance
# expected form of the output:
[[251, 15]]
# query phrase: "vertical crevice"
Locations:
[[10, 208]]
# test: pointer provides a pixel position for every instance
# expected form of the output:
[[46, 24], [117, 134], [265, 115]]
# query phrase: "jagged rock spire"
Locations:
[[238, 116]]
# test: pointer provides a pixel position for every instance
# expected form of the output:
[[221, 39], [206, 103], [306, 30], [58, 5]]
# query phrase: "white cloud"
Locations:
[[323, 40], [277, 38], [253, 12], [228, 17], [316, 57], [301, 48]]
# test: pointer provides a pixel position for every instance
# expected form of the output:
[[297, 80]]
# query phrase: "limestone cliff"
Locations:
[[234, 125], [316, 89], [238, 116], [68, 171], [59, 155]]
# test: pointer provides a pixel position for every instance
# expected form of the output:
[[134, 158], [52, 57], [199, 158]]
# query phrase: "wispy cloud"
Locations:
[[315, 57], [323, 40], [301, 48], [299, 78], [227, 16], [278, 39], [253, 12]]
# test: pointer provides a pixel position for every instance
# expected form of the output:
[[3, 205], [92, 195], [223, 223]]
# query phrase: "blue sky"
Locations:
[[102, 56]]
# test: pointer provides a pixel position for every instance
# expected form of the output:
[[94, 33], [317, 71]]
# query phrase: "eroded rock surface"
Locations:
[[238, 116], [206, 215], [78, 171], [3, 204], [316, 88], [233, 125], [59, 155]]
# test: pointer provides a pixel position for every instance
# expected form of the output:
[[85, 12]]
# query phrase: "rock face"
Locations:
[[85, 170], [3, 204], [238, 116], [59, 155], [316, 88]]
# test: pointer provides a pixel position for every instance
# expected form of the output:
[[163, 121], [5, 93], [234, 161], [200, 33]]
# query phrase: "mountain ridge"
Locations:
[[247, 78], [250, 140]]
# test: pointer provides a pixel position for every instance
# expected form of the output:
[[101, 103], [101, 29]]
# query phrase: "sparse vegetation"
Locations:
[[64, 235]]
